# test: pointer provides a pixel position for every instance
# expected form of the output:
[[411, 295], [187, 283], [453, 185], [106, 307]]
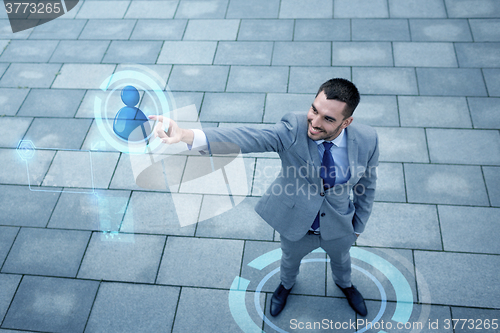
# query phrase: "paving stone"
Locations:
[[211, 29], [253, 9], [257, 79], [424, 55], [390, 183], [155, 213], [80, 51], [440, 30], [103, 9], [125, 257], [478, 54], [108, 29], [85, 76], [8, 286], [13, 130], [7, 236], [459, 146], [302, 54], [277, 105], [6, 31], [419, 111], [39, 251], [103, 210], [94, 169], [95, 141], [380, 30], [202, 9], [28, 51], [183, 99], [58, 132], [377, 111], [233, 107], [266, 30], [461, 236], [159, 29], [198, 78], [11, 100], [200, 53], [450, 82], [492, 78], [51, 103], [484, 112], [59, 29], [485, 30], [309, 79], [439, 270], [213, 262], [385, 81], [15, 168], [445, 184], [30, 75], [86, 109], [360, 9], [266, 171], [480, 316], [311, 9], [321, 30], [492, 178], [133, 308], [152, 9], [144, 52], [417, 8], [470, 8], [51, 304], [402, 225], [244, 53], [255, 249], [362, 54]]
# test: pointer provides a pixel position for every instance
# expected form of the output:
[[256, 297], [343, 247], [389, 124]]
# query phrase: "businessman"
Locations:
[[325, 157]]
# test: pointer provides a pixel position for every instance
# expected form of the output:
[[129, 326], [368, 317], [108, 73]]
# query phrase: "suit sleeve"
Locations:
[[364, 192]]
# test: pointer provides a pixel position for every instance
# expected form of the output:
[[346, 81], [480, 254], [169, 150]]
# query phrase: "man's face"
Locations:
[[326, 118]]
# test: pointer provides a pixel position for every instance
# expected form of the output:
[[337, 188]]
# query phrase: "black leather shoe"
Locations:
[[355, 299], [278, 301]]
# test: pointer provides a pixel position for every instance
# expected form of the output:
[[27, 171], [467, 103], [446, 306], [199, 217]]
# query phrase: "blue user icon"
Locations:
[[130, 118]]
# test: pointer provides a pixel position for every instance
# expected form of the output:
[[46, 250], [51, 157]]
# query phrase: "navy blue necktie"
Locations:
[[327, 173]]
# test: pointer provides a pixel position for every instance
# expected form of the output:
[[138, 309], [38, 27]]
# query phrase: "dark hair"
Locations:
[[341, 90]]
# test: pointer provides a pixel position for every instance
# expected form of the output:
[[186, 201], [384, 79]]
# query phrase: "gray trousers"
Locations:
[[337, 250]]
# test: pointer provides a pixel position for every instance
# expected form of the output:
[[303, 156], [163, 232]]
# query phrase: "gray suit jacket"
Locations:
[[292, 202]]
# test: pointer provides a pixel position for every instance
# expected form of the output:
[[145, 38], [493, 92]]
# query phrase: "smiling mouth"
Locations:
[[314, 131]]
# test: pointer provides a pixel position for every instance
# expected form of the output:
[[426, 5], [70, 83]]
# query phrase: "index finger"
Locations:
[[159, 118]]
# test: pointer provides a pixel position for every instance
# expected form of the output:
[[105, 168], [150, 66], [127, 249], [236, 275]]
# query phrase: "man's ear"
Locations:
[[346, 122]]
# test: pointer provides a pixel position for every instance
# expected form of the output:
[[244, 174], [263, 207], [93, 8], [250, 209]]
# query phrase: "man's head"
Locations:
[[332, 109]]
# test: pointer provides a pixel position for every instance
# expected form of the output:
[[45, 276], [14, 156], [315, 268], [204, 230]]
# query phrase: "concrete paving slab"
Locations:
[[15, 169], [440, 30], [445, 273], [244, 53], [52, 103], [417, 8], [385, 80], [362, 54], [380, 30], [143, 52], [424, 54], [159, 29], [107, 29], [7, 236], [198, 78], [86, 109], [13, 130], [309, 79], [38, 251], [492, 178], [420, 111], [103, 9], [152, 9], [321, 30], [183, 99], [11, 100], [255, 249], [266, 30], [80, 51], [483, 319], [30, 75], [155, 213], [8, 284], [28, 51], [492, 78], [6, 30], [133, 308], [390, 183], [311, 9], [51, 304], [266, 171], [451, 82], [461, 236], [94, 141], [211, 29], [202, 9], [445, 184], [302, 54], [480, 147], [257, 79], [213, 262], [360, 9], [59, 29], [184, 52], [277, 105], [402, 144], [82, 76], [255, 9], [470, 9], [237, 107], [58, 133], [377, 111], [124, 257], [485, 30], [478, 54]]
